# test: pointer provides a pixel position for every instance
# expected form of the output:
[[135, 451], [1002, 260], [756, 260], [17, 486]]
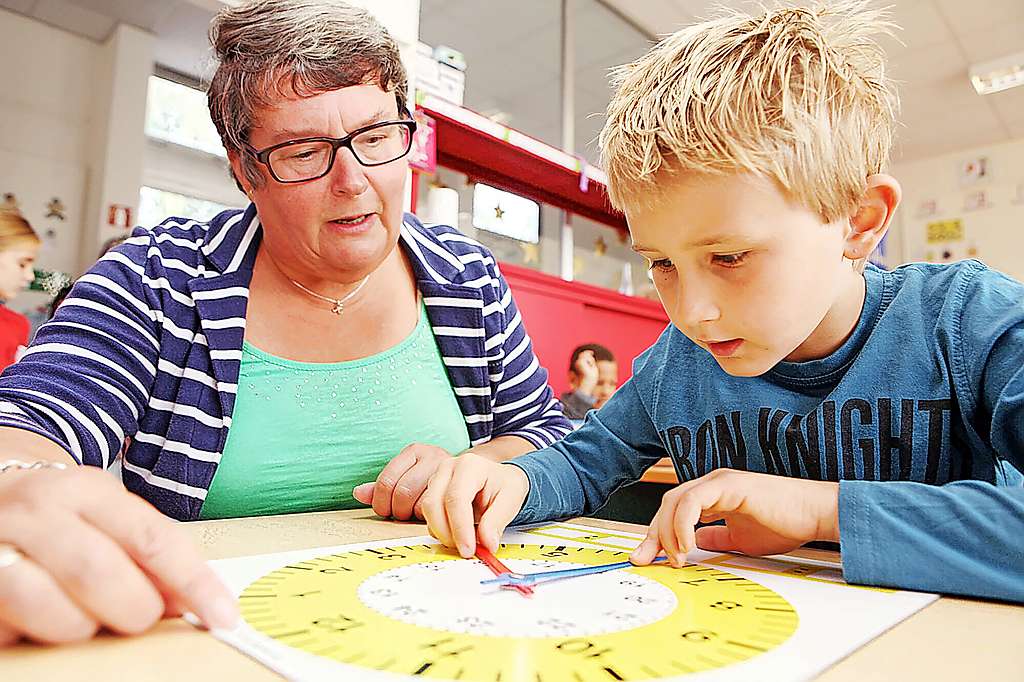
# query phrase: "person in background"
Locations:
[[593, 377], [19, 245]]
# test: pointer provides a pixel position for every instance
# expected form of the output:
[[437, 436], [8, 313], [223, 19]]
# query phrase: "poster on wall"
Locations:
[[423, 155], [927, 209], [977, 200], [940, 231], [973, 170]]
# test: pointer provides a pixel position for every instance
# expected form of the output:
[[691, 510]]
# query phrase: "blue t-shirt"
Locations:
[[920, 414]]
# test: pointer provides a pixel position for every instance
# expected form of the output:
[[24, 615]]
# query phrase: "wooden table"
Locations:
[[662, 472], [952, 639]]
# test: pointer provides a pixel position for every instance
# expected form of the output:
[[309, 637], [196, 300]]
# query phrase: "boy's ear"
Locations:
[[874, 213]]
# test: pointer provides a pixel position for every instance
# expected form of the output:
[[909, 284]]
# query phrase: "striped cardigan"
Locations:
[[148, 346]]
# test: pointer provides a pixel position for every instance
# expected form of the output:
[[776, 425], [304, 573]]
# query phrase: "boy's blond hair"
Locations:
[[798, 95]]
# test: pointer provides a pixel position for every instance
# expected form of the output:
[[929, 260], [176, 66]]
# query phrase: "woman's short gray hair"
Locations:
[[270, 49]]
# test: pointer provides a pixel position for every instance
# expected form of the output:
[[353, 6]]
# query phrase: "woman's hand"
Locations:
[[95, 555], [397, 490], [763, 514], [468, 489]]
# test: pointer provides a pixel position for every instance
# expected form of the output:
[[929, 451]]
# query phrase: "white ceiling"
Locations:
[[940, 39], [180, 25], [513, 53]]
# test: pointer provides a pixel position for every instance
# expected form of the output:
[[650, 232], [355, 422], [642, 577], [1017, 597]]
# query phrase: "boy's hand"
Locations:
[[399, 487], [470, 488], [764, 514]]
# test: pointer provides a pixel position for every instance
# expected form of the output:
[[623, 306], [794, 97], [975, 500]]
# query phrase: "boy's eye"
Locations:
[[662, 265], [730, 260]]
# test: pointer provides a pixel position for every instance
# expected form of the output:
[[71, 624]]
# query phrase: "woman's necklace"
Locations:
[[339, 303]]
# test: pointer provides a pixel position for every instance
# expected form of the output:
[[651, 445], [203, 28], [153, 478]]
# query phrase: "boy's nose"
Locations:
[[695, 307]]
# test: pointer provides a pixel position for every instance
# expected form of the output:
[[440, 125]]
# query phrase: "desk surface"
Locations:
[[662, 472], [952, 639]]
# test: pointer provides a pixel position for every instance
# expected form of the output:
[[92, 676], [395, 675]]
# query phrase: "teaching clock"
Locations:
[[419, 610]]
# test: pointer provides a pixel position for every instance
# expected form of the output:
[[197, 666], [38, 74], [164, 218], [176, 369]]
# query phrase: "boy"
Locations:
[[593, 377], [800, 395]]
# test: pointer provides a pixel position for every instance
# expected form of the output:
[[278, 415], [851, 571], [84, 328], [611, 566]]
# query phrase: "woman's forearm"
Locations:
[[503, 448]]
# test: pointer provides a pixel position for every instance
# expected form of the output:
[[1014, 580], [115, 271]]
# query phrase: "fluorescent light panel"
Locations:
[[1000, 74]]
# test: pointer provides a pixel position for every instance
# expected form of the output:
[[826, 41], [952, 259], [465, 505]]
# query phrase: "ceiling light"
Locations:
[[999, 74]]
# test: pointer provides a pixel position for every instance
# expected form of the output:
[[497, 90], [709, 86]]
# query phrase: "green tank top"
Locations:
[[304, 434]]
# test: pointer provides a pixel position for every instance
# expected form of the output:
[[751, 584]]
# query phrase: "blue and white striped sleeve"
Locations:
[[523, 403], [86, 377]]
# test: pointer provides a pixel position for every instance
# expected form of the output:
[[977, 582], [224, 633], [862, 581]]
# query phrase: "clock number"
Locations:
[[582, 647], [698, 636], [554, 553], [408, 611], [621, 616], [556, 625], [337, 623], [473, 622], [445, 653], [726, 605]]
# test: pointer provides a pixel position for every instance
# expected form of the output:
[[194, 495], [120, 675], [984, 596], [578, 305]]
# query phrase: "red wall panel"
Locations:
[[561, 315]]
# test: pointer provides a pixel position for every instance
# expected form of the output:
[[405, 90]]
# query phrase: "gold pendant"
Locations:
[[338, 308]]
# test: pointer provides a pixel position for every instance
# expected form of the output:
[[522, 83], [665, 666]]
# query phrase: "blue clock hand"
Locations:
[[526, 579]]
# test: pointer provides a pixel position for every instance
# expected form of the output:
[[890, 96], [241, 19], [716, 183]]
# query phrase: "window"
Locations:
[[156, 205], [178, 114], [505, 213]]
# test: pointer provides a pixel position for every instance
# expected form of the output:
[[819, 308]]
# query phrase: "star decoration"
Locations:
[[55, 209]]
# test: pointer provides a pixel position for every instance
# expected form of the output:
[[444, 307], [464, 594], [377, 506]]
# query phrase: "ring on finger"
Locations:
[[9, 555]]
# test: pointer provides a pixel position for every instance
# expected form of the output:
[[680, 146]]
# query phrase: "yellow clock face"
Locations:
[[420, 610]]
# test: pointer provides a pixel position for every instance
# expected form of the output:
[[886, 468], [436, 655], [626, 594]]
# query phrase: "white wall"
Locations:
[[117, 134], [994, 234], [46, 87], [71, 115]]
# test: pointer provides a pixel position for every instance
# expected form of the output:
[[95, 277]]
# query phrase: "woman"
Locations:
[[19, 246], [292, 348]]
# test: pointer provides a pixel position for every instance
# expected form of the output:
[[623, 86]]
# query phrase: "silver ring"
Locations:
[[9, 555]]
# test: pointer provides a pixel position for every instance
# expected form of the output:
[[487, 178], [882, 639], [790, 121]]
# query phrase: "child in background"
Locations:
[[801, 395], [18, 248], [593, 377]]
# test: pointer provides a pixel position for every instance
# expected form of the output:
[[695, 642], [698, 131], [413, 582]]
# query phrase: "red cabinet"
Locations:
[[561, 315]]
